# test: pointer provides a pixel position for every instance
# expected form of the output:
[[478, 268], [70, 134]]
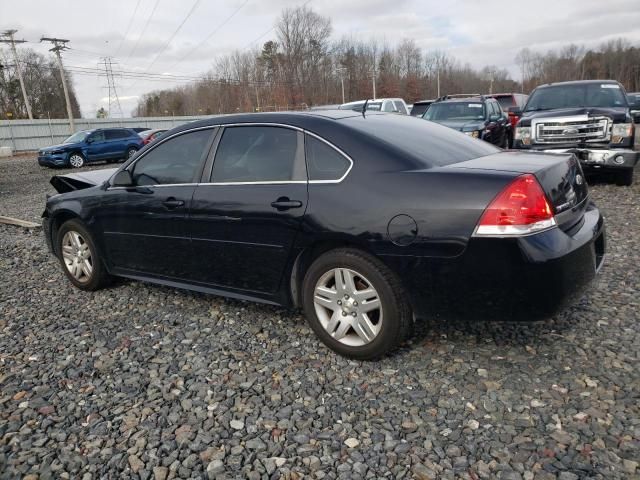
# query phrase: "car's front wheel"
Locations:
[[76, 160], [79, 257], [355, 304]]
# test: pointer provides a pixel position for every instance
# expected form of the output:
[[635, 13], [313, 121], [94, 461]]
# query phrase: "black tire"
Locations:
[[99, 276], [77, 160], [624, 178], [397, 315], [131, 151]]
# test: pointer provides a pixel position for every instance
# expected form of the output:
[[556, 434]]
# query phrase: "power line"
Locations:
[[164, 47], [133, 16], [208, 37], [144, 30]]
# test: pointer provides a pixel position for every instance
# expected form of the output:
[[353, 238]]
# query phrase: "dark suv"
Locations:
[[590, 118], [110, 144], [476, 115]]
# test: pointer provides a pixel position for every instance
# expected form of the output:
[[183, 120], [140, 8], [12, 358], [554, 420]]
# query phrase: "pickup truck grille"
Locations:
[[594, 129]]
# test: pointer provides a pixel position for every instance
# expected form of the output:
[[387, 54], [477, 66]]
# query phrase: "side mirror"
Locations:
[[122, 179], [517, 111]]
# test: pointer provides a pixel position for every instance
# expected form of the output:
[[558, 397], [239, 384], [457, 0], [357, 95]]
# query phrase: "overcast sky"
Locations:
[[477, 32]]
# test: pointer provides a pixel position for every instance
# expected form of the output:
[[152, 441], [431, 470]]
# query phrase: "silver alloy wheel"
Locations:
[[76, 160], [131, 152], [348, 307], [77, 256]]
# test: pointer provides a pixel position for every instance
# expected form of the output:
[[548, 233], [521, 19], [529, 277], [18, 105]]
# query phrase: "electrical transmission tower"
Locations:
[[7, 37], [111, 85], [59, 44]]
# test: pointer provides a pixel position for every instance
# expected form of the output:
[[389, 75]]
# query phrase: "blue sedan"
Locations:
[[110, 144]]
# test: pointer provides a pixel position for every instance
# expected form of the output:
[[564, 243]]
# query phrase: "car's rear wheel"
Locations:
[[130, 152], [355, 304], [76, 160], [79, 257], [624, 178]]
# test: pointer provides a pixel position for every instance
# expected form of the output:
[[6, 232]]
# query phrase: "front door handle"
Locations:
[[283, 203], [172, 203]]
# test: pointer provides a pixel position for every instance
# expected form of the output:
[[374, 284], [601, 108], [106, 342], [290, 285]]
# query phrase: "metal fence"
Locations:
[[29, 135]]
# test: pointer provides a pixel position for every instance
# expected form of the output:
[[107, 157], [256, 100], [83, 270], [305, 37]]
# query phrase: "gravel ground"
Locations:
[[141, 381]]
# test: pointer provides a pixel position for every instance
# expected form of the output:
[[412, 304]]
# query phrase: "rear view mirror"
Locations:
[[122, 179]]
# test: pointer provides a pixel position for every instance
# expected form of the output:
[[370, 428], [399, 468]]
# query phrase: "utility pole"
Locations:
[[59, 44], [373, 77], [8, 38], [341, 73]]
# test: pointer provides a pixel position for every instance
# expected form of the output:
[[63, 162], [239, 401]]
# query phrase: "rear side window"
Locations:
[[259, 154], [430, 144], [323, 161], [175, 161], [116, 134], [400, 107]]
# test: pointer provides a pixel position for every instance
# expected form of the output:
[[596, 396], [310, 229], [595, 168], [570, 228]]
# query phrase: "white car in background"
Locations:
[[391, 105]]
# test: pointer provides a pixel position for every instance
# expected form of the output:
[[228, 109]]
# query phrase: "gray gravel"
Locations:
[[141, 381]]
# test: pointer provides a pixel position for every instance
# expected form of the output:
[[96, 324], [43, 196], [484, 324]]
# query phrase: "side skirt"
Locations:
[[196, 287]]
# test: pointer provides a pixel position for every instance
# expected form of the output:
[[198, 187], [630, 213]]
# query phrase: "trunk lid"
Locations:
[[560, 176], [79, 181]]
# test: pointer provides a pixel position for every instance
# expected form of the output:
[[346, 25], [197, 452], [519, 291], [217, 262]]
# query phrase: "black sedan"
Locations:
[[367, 222]]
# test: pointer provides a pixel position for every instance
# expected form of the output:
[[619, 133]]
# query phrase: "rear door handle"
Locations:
[[172, 203], [283, 203]]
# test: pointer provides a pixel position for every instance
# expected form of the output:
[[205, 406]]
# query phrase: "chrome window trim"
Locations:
[[254, 124]]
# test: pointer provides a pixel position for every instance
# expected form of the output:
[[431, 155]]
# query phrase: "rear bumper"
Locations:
[[523, 279]]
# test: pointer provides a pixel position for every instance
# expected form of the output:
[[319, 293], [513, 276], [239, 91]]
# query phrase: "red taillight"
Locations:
[[521, 208]]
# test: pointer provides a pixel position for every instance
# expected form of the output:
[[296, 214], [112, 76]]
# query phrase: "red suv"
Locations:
[[507, 100]]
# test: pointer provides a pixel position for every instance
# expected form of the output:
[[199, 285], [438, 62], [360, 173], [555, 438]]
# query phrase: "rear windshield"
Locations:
[[455, 111], [605, 95], [506, 102], [431, 144]]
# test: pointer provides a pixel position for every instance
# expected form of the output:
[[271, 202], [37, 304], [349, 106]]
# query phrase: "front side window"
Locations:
[[175, 161], [258, 154], [323, 161]]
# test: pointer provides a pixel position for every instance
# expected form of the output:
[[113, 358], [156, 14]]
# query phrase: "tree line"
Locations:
[[42, 82], [302, 67]]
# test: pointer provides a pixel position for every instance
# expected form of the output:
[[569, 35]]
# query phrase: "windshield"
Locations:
[[77, 137], [605, 95], [454, 111]]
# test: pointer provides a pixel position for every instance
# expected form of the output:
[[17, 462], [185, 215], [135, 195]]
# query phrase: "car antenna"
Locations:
[[364, 107]]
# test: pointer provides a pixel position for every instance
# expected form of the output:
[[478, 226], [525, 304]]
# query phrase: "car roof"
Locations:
[[579, 82], [304, 119], [475, 99]]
